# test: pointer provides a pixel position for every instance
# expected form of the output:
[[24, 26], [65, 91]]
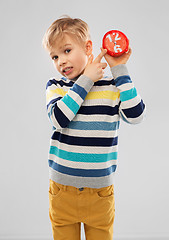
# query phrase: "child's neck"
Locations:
[[74, 79]]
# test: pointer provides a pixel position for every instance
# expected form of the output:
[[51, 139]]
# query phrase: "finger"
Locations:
[[90, 59], [102, 49], [103, 65], [99, 57], [129, 51]]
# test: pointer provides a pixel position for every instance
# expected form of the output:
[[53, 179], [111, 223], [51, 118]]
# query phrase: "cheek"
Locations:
[[56, 65], [82, 62]]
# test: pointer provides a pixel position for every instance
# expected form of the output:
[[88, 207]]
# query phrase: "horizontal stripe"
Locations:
[[99, 109], [134, 112], [135, 120], [103, 95], [91, 95], [84, 149], [97, 118], [82, 157], [59, 82], [104, 126], [101, 102], [91, 182], [122, 80], [123, 117], [69, 83], [85, 141], [129, 94], [82, 172], [53, 101], [126, 87], [130, 103], [119, 70], [84, 165], [71, 104], [64, 78], [95, 133], [79, 90], [60, 117], [53, 92], [105, 82]]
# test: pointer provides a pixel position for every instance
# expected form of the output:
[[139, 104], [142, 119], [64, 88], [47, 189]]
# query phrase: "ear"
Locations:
[[89, 47]]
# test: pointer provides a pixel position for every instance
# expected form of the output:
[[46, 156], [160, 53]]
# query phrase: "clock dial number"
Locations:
[[113, 39], [110, 38], [117, 36], [117, 48]]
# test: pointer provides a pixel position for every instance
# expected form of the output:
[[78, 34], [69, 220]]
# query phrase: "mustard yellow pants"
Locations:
[[69, 206]]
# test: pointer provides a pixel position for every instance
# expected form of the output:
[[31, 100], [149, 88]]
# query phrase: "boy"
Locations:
[[85, 109]]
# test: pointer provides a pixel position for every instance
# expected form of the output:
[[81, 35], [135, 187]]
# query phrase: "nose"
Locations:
[[61, 61]]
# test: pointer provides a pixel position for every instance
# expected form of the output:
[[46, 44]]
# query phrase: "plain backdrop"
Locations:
[[142, 182]]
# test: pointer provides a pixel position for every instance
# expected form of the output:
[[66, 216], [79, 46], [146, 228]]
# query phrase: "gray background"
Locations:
[[141, 184]]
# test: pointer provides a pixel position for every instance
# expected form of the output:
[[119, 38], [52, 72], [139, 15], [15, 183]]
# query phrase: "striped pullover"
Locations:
[[85, 117]]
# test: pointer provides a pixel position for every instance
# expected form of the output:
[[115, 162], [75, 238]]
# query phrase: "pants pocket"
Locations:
[[54, 190], [106, 192]]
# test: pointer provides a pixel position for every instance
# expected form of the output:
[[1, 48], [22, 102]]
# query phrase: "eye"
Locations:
[[54, 57], [67, 50]]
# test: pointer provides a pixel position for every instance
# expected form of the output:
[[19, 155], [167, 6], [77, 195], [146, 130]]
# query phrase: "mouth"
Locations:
[[67, 70]]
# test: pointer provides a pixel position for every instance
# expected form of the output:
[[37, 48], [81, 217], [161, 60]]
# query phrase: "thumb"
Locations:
[[90, 60], [103, 65], [99, 57]]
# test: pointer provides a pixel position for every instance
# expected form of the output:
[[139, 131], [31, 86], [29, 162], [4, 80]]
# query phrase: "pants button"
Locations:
[[81, 189]]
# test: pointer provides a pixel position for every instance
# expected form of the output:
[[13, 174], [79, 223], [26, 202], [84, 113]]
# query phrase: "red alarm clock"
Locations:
[[115, 42]]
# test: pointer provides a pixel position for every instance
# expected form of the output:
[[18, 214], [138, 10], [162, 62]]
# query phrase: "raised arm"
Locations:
[[62, 106], [132, 107]]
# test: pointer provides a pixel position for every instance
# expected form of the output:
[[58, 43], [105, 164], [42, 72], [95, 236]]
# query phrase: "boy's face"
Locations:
[[69, 57]]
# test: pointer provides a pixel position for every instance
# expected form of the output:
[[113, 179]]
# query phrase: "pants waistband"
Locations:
[[82, 189]]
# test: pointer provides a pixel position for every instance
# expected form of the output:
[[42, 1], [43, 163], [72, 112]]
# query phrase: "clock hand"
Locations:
[[111, 40], [114, 42]]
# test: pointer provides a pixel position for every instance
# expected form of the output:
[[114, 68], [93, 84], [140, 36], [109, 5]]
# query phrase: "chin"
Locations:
[[74, 77]]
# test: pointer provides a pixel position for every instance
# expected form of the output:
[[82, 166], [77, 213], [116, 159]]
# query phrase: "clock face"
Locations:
[[115, 42]]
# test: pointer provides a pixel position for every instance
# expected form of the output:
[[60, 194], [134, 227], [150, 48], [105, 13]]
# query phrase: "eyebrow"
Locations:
[[67, 44]]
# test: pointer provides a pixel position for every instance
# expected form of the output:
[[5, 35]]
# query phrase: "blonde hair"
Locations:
[[74, 27]]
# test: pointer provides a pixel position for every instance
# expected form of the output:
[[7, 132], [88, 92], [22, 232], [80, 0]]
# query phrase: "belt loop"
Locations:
[[91, 190], [64, 187]]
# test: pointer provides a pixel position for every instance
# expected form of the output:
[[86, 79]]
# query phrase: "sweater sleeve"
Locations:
[[132, 107], [61, 107]]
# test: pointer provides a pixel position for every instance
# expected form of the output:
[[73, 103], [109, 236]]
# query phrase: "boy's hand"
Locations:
[[114, 61], [94, 69]]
